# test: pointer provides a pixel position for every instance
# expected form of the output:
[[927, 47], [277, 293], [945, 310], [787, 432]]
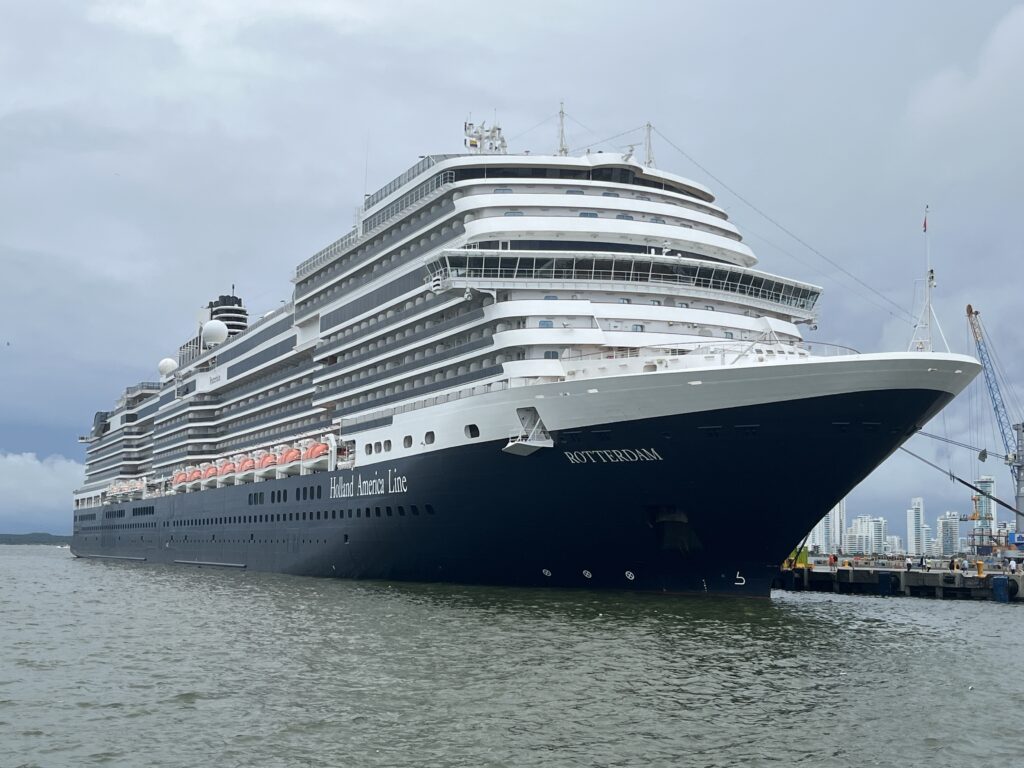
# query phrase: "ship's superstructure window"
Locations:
[[428, 438]]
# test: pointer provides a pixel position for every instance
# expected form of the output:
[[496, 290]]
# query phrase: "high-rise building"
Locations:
[[915, 527], [826, 536], [987, 509], [866, 536], [947, 533], [893, 545]]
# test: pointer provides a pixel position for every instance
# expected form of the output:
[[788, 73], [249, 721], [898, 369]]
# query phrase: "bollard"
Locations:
[[981, 567]]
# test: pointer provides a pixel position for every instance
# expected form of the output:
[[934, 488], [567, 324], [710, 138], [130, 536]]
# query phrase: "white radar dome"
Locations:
[[167, 366], [214, 332]]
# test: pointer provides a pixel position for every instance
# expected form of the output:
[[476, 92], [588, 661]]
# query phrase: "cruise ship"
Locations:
[[557, 370]]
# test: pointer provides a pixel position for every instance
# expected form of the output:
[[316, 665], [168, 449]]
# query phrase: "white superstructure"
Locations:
[[486, 296]]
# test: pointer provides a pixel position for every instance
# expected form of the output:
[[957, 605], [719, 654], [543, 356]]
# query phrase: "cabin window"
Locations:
[[638, 328], [624, 216], [550, 354], [625, 301], [387, 445], [377, 447], [368, 449], [472, 430], [588, 215], [429, 438], [407, 441], [546, 324]]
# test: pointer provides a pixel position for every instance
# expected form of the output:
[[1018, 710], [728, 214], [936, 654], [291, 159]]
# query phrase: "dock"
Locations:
[[999, 586]]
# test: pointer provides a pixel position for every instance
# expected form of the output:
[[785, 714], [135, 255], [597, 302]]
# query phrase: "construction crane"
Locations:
[[1012, 434]]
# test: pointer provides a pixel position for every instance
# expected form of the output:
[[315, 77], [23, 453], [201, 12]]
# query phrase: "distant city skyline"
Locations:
[[927, 533]]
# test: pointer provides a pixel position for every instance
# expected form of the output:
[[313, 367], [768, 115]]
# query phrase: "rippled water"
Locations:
[[132, 665]]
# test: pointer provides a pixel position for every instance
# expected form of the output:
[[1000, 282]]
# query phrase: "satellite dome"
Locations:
[[214, 332], [167, 366]]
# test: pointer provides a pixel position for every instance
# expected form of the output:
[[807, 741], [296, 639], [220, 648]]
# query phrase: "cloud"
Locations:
[[964, 119], [35, 494]]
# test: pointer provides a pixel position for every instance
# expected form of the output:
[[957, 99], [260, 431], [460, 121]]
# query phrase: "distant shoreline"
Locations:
[[33, 538]]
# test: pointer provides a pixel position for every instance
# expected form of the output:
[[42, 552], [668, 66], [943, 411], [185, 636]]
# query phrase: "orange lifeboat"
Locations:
[[228, 468], [179, 478], [268, 461], [248, 463], [195, 474], [210, 472], [288, 455], [315, 451]]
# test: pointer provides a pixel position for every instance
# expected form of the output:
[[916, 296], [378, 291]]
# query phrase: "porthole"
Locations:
[[472, 430], [429, 438], [387, 446], [407, 441]]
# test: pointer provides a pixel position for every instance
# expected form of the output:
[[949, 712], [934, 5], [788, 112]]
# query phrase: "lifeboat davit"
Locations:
[[245, 465], [316, 450], [266, 464], [316, 455], [288, 460]]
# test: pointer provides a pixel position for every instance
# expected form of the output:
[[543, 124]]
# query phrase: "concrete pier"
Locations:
[[874, 580]]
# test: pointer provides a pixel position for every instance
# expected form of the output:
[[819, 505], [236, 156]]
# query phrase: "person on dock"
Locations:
[[952, 564], [1013, 567], [910, 563]]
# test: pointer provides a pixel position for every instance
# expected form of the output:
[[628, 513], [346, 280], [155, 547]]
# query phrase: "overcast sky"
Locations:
[[153, 153]]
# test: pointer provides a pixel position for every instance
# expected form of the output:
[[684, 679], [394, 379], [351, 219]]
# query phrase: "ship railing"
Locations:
[[142, 386], [581, 266], [718, 347], [372, 225], [427, 402]]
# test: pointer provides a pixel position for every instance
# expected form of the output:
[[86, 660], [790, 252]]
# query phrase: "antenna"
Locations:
[[648, 149], [563, 149], [922, 338]]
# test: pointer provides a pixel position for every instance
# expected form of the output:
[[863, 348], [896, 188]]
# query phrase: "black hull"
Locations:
[[704, 502]]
